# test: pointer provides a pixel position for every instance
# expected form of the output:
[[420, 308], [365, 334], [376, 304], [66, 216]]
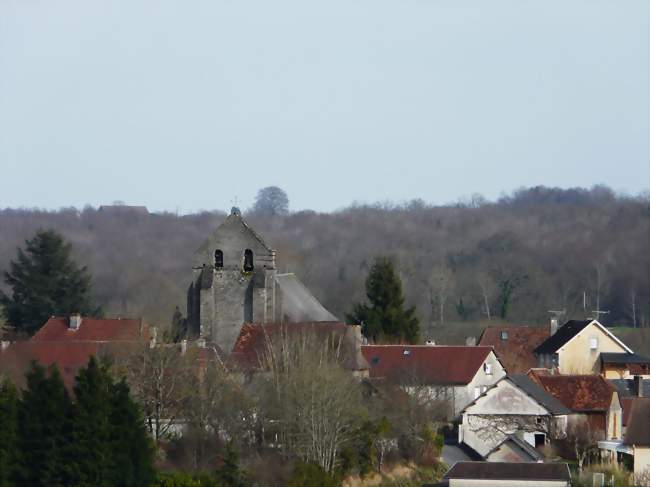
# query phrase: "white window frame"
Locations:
[[593, 343], [487, 368]]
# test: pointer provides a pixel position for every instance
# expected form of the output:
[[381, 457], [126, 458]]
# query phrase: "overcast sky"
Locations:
[[185, 105]]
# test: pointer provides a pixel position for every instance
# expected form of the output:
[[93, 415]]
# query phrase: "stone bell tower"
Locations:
[[233, 282]]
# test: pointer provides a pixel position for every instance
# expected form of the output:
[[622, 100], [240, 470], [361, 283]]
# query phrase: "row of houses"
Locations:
[[516, 393]]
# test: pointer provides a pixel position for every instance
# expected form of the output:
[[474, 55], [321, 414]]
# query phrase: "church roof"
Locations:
[[298, 303]]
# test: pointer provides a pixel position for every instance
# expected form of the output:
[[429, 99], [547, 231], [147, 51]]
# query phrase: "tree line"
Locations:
[[539, 249]]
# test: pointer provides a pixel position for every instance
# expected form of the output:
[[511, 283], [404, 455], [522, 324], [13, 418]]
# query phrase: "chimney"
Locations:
[[74, 321], [470, 341], [554, 326], [638, 385]]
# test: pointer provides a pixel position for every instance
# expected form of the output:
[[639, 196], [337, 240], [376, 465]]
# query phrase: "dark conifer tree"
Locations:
[[386, 318], [132, 461], [45, 281], [43, 430], [90, 449], [8, 432]]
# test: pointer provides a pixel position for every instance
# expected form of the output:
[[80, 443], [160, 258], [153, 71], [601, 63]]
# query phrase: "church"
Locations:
[[235, 281]]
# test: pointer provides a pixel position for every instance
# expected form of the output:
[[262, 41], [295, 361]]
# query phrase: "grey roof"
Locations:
[[298, 303], [565, 333], [509, 471], [626, 388], [523, 445], [623, 358], [554, 406]]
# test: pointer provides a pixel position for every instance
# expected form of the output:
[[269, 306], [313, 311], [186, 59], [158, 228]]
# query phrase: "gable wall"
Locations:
[[575, 357]]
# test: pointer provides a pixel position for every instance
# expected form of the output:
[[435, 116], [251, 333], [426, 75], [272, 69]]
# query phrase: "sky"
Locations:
[[196, 104]]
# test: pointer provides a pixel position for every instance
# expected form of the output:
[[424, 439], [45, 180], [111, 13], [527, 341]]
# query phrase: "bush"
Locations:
[[311, 475]]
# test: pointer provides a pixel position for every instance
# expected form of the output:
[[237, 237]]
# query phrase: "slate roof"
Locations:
[[515, 352], [521, 444], [509, 471], [253, 340], [623, 358], [298, 303], [565, 333], [626, 387], [638, 425], [440, 365], [579, 393], [553, 405], [92, 329]]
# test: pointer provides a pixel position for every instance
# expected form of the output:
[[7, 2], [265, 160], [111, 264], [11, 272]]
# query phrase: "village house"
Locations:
[[593, 401], [629, 390], [454, 374], [69, 342], [515, 407], [576, 347], [515, 345]]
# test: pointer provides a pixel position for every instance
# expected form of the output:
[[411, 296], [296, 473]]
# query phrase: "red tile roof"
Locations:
[[515, 352], [69, 357], [92, 329], [431, 364], [253, 338], [580, 393]]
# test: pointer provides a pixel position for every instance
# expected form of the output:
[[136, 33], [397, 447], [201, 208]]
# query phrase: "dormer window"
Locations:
[[504, 335], [218, 259], [248, 260]]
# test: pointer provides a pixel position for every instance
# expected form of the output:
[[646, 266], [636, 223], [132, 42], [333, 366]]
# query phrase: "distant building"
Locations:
[[123, 210], [235, 281]]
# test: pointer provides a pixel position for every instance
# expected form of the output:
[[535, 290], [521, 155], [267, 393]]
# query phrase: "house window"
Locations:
[[218, 259], [487, 368], [593, 344], [248, 260], [540, 440], [477, 392], [504, 335], [538, 420]]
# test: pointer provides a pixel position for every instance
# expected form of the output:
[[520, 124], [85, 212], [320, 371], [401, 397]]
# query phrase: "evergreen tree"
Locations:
[[89, 451], [44, 430], [132, 462], [45, 281], [8, 432], [109, 444], [385, 318], [230, 475]]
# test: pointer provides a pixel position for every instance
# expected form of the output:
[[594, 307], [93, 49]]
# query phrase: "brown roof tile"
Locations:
[[515, 351], [431, 364], [580, 393], [92, 329]]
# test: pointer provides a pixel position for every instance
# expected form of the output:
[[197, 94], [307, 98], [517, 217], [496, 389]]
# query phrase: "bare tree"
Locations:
[[485, 283], [583, 439], [311, 402], [440, 282], [160, 378]]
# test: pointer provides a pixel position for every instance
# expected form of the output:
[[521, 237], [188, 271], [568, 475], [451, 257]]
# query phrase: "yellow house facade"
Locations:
[[575, 348]]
